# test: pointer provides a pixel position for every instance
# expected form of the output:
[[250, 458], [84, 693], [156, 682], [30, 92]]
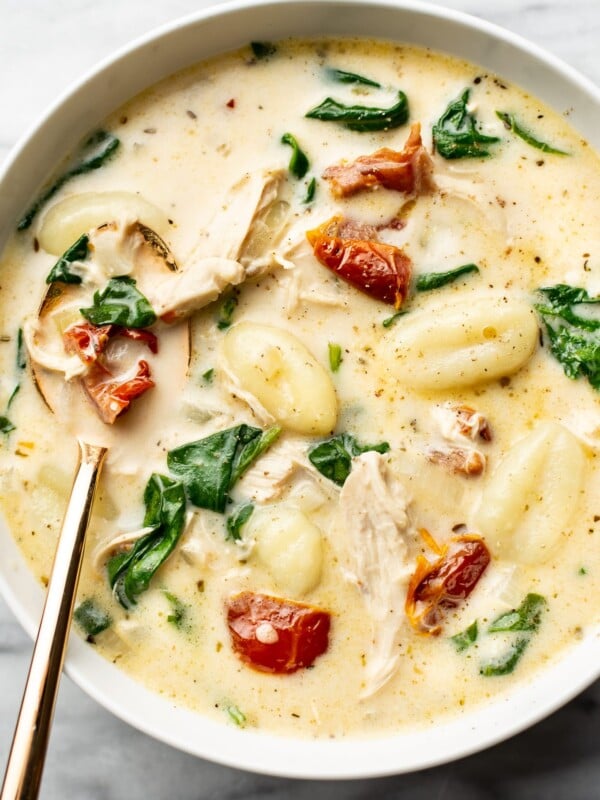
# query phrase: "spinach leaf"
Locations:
[[462, 641], [523, 621], [362, 118], [21, 358], [179, 609], [574, 336], [335, 356], [505, 663], [341, 76], [333, 457], [120, 303], [130, 573], [455, 134], [96, 151], [427, 281], [209, 375], [527, 617], [6, 426], [227, 308], [61, 271], [299, 165], [211, 466], [389, 321], [511, 124], [237, 520], [91, 618], [263, 49], [310, 191]]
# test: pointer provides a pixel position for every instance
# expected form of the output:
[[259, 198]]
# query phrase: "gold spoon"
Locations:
[[68, 401]]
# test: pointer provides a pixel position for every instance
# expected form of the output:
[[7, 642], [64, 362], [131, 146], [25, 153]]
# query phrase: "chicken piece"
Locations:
[[240, 244], [409, 171], [457, 421], [374, 516]]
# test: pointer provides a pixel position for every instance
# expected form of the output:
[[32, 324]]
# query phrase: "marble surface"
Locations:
[[97, 757]]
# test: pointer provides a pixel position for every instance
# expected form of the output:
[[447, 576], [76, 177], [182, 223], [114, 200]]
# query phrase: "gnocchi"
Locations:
[[533, 495], [287, 380], [452, 345], [289, 546], [77, 214]]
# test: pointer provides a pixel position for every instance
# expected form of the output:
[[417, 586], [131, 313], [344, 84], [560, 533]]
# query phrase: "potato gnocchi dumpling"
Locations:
[[289, 546], [274, 366], [70, 218], [462, 343], [533, 495]]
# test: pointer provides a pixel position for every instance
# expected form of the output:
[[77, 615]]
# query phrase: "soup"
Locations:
[[377, 458]]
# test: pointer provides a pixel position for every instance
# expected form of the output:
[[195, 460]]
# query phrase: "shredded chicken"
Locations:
[[374, 516], [409, 171], [296, 294], [232, 387], [460, 426], [41, 350], [200, 282]]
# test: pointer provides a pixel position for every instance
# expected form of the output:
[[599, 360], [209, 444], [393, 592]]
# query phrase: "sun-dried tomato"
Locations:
[[380, 270], [436, 588], [276, 635], [113, 397], [408, 171]]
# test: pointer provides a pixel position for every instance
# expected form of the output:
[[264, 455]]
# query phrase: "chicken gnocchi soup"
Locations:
[[333, 307]]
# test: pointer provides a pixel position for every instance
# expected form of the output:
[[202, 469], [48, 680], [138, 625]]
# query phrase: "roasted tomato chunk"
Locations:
[[408, 171], [380, 270], [275, 635], [435, 588], [111, 396]]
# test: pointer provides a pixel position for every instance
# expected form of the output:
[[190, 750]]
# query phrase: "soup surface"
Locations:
[[366, 496]]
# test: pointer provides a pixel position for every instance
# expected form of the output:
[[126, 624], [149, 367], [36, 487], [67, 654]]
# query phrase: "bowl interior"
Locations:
[[112, 83]]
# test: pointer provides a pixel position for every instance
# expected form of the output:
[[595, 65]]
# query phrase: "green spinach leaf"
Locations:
[[6, 426], [341, 76], [130, 573], [427, 281], [463, 640], [333, 457], [573, 334], [362, 118], [527, 617], [61, 271], [179, 614], [236, 521], [455, 134], [310, 191], [299, 164], [120, 303], [96, 151], [210, 467], [227, 309], [511, 124], [236, 716], [91, 618], [507, 661], [389, 321]]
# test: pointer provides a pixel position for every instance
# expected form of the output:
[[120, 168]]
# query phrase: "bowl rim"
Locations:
[[252, 750]]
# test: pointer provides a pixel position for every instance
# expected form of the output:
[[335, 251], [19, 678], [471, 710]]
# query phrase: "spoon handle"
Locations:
[[26, 760]]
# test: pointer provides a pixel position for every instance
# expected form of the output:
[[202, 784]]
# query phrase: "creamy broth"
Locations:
[[194, 147]]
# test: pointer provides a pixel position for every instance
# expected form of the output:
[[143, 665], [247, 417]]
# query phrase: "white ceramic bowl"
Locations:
[[107, 87]]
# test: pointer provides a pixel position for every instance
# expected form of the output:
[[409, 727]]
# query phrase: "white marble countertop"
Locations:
[[44, 46]]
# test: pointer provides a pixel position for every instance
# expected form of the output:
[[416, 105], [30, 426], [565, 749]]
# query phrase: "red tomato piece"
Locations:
[[380, 270], [138, 335], [275, 635], [87, 340], [113, 397], [444, 585], [409, 171]]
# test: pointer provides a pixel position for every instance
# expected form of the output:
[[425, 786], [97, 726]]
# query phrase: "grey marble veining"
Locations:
[[44, 46]]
